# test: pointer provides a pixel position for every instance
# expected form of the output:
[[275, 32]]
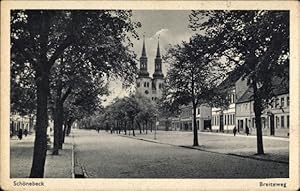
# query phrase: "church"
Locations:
[[147, 86]]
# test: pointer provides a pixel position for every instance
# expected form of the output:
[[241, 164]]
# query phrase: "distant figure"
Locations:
[[20, 134], [247, 130], [25, 132], [234, 131], [98, 129]]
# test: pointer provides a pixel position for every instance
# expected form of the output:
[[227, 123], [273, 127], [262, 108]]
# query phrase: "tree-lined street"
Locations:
[[65, 60], [106, 155]]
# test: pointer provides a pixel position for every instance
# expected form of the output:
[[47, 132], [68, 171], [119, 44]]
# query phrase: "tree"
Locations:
[[148, 112], [258, 41], [40, 37], [192, 76]]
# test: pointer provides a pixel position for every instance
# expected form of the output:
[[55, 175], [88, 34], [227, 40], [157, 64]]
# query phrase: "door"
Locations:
[[272, 128], [221, 123]]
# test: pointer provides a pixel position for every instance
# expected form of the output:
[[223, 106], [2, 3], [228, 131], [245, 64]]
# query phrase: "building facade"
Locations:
[[224, 120], [184, 121], [18, 122], [275, 119], [150, 87]]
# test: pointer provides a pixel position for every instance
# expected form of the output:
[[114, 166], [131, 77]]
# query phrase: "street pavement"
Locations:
[[105, 155], [276, 148], [21, 152]]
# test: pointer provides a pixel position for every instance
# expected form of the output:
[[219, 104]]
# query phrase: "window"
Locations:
[[288, 121], [277, 121], [282, 102], [233, 119], [145, 84], [233, 98], [277, 102], [282, 121], [198, 111], [225, 119], [288, 100]]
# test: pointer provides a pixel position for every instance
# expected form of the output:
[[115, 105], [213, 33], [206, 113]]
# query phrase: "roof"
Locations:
[[232, 78], [280, 86]]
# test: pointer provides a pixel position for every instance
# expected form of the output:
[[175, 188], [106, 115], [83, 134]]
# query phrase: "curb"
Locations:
[[249, 136], [195, 148], [260, 159], [147, 140]]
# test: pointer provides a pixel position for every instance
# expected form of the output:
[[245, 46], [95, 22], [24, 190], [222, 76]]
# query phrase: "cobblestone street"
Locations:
[[107, 155]]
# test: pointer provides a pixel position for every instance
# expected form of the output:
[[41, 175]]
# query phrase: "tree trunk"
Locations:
[[40, 143], [140, 128], [194, 126], [257, 111], [125, 128], [146, 127], [132, 123], [64, 132], [69, 125], [58, 119]]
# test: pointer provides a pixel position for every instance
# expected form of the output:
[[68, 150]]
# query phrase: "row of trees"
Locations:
[[61, 62], [125, 114], [256, 43]]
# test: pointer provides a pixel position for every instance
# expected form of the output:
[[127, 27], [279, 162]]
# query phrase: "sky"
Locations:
[[172, 28]]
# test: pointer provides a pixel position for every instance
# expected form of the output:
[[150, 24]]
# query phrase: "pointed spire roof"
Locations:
[[144, 49], [158, 50]]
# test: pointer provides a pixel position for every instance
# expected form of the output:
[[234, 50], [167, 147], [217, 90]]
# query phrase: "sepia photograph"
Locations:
[[150, 94]]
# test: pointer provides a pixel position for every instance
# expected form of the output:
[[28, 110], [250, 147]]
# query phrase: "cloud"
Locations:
[[160, 33]]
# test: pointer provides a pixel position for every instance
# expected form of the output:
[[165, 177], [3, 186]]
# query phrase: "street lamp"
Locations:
[[156, 123]]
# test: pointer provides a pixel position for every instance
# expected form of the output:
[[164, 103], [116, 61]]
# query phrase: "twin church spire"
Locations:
[[157, 61]]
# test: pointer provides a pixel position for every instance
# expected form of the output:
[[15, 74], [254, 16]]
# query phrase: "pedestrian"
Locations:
[[20, 134], [247, 130], [234, 131], [98, 129], [25, 132]]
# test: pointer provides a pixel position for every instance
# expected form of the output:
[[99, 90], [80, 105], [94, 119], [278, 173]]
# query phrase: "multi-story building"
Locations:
[[223, 119], [275, 119], [151, 88], [185, 120], [17, 122]]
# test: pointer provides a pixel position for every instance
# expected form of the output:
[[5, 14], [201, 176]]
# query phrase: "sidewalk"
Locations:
[[276, 148], [21, 152]]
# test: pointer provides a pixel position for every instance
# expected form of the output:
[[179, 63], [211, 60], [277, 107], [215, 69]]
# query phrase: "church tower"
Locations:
[[143, 62], [158, 71], [158, 76], [143, 81]]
